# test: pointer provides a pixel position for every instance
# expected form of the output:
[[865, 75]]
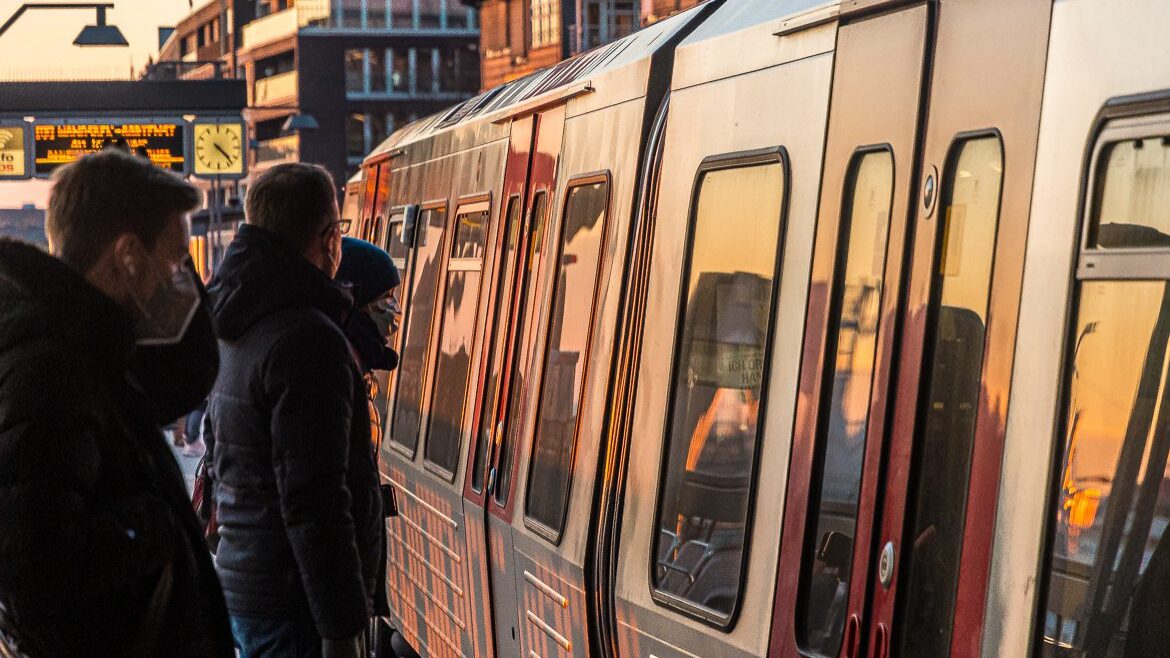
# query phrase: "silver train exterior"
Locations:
[[788, 328]]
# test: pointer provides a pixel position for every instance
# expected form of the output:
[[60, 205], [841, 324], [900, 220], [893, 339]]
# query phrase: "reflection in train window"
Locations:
[[718, 388], [946, 435], [1109, 567], [1133, 198], [570, 327], [505, 275], [456, 329], [394, 246], [855, 310], [420, 311], [526, 302]]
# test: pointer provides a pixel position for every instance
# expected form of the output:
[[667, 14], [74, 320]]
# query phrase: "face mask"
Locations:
[[386, 313], [164, 315]]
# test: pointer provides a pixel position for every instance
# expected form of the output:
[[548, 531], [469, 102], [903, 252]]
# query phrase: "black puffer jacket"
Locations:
[[100, 553], [296, 484]]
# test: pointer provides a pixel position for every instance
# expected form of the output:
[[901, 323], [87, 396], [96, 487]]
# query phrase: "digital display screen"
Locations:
[[60, 144]]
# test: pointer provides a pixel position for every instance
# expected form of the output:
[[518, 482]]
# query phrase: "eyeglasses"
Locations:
[[343, 225]]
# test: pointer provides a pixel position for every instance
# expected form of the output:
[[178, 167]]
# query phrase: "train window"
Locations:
[[398, 251], [505, 276], [714, 423], [854, 312], [420, 311], [1133, 197], [566, 356], [1108, 570], [953, 373], [376, 233], [456, 330], [526, 304]]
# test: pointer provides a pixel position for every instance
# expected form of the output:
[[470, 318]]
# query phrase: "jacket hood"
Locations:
[[260, 275], [86, 320]]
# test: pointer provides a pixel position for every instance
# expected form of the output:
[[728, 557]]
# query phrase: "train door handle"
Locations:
[[852, 636], [883, 641]]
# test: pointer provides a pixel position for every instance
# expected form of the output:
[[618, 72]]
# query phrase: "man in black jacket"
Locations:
[[296, 485], [100, 552]]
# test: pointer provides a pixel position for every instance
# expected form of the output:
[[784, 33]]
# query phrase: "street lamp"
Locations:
[[90, 35]]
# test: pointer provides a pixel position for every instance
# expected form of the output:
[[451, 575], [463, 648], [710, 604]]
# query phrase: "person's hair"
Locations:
[[107, 194], [294, 200]]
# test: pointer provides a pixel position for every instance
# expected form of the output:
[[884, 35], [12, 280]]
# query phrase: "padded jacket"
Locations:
[[100, 551], [296, 484]]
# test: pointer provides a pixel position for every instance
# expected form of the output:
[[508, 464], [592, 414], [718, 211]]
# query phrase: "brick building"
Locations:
[[521, 36], [356, 68]]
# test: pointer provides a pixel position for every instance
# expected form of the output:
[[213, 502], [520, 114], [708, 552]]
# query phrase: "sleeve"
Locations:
[[58, 539], [309, 382]]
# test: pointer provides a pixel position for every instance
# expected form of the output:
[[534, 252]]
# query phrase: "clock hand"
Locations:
[[220, 149]]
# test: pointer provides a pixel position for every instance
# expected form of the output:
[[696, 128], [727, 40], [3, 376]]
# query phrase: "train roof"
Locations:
[[750, 29], [546, 86]]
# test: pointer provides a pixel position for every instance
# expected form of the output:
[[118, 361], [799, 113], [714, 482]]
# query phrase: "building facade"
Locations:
[[348, 71], [522, 36]]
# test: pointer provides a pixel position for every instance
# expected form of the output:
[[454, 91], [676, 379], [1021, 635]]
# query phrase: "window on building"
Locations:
[[456, 331], [377, 11], [546, 23], [402, 14], [355, 71], [715, 424], [420, 312], [431, 14], [376, 65], [854, 312], [426, 62], [355, 135], [566, 356], [459, 69], [400, 70]]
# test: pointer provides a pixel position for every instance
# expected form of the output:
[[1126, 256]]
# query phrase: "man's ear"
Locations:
[[127, 252]]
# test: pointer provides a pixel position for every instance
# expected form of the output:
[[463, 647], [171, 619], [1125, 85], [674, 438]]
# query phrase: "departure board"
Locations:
[[57, 144]]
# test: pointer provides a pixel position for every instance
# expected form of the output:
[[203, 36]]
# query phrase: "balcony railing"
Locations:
[[272, 27], [379, 15], [280, 149], [275, 89]]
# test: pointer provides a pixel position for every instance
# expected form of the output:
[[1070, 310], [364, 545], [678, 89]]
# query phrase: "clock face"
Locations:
[[219, 148]]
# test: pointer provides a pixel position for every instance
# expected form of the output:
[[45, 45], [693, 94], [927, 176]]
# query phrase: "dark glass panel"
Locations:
[[855, 310], [714, 423], [570, 326]]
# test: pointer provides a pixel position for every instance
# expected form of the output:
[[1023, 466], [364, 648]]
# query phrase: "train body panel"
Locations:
[[754, 334]]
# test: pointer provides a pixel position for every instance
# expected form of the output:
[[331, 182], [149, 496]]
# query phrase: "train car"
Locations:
[[789, 328]]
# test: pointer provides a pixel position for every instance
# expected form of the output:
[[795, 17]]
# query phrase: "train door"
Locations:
[[529, 183], [375, 192], [867, 191], [969, 223]]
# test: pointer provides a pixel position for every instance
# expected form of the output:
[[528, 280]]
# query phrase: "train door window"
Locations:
[[566, 355], [456, 330], [953, 374], [406, 423], [714, 421], [526, 305], [503, 307], [376, 233], [1108, 570], [398, 251], [854, 313]]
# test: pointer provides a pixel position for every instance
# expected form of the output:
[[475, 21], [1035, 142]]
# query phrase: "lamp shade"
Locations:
[[300, 121], [100, 35]]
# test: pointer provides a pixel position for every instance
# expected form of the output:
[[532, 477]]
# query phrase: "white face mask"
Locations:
[[386, 313], [165, 315]]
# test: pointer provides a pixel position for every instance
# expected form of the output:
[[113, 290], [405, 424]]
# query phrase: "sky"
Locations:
[[39, 46]]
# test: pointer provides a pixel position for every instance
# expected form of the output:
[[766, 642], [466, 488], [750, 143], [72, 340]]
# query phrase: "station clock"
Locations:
[[219, 149]]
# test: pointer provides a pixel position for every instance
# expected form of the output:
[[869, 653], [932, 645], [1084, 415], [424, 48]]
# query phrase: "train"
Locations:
[[788, 328]]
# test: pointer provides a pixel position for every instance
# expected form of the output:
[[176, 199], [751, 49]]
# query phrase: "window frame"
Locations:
[[408, 452], [554, 535], [830, 347], [466, 205], [734, 160], [1151, 109]]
